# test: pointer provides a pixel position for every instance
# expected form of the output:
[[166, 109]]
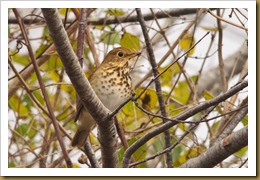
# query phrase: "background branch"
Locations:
[[158, 88], [220, 151], [44, 92], [108, 21]]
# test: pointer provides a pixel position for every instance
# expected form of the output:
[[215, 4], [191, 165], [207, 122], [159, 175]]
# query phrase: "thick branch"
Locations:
[[220, 151], [232, 124], [182, 116], [72, 67]]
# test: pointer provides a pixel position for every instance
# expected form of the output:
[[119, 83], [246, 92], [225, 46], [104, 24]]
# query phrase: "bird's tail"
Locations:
[[80, 138]]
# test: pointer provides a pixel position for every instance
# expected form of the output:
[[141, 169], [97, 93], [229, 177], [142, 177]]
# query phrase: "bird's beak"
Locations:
[[132, 55]]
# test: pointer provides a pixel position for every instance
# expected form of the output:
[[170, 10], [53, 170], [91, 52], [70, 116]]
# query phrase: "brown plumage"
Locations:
[[112, 84]]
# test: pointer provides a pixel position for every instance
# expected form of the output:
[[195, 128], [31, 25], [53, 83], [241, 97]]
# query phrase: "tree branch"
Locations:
[[158, 88], [220, 57], [43, 89], [83, 88], [220, 151], [210, 80], [232, 124], [123, 19], [14, 84], [182, 116]]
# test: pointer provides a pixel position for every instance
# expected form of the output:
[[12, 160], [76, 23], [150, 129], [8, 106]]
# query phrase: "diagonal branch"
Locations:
[[182, 116], [43, 89], [14, 84], [220, 150], [83, 88]]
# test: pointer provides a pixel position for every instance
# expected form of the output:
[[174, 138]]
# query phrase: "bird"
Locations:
[[112, 84]]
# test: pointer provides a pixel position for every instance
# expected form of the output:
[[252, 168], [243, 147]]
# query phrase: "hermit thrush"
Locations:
[[112, 84]]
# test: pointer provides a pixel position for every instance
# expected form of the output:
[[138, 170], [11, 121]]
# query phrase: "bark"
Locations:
[[183, 116], [220, 151], [83, 88]]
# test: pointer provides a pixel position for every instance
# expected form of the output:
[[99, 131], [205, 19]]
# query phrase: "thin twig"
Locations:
[[91, 155], [226, 21], [158, 88], [171, 65], [81, 34], [173, 46], [45, 94], [169, 149], [41, 58], [220, 57], [185, 115]]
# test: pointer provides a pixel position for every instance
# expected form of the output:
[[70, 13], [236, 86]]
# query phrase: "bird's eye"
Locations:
[[120, 54]]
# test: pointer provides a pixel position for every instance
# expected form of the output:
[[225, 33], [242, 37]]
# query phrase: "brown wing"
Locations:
[[79, 108]]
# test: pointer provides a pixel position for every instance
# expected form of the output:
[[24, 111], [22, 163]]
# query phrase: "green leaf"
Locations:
[[110, 38], [40, 50], [17, 105], [245, 120], [52, 63], [26, 130], [23, 60], [140, 153], [115, 12], [22, 129], [242, 152], [208, 96], [149, 99], [130, 41], [38, 95], [176, 152]]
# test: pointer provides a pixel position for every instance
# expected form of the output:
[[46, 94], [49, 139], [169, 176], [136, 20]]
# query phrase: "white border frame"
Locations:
[[251, 171]]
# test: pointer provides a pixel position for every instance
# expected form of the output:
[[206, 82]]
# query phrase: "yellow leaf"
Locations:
[[212, 29], [186, 43], [130, 41], [149, 98]]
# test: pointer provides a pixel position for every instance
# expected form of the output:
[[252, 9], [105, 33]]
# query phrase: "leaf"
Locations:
[[40, 50], [115, 12], [166, 77], [110, 38], [196, 151], [212, 29], [38, 95], [26, 130], [20, 59], [186, 43], [182, 92], [17, 105], [130, 41], [245, 120], [176, 152], [53, 63], [242, 152], [139, 154], [149, 98], [208, 96]]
